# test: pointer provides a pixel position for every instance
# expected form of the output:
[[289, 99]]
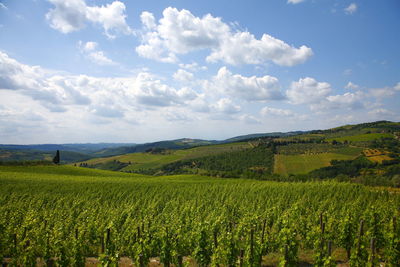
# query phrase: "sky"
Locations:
[[78, 71]]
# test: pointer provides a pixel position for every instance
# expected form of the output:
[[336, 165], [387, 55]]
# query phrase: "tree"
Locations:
[[56, 159]]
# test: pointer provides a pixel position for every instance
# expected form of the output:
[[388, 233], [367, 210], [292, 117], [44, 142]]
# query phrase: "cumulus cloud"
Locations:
[[107, 97], [384, 92], [183, 75], [180, 32], [192, 67], [90, 50], [347, 100], [148, 20], [72, 15], [177, 117], [397, 87], [381, 112], [249, 119], [152, 92], [249, 88], [276, 112], [308, 90], [225, 105], [352, 8], [351, 85], [244, 48]]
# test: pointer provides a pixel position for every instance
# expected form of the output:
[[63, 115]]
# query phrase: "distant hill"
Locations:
[[83, 148], [260, 135], [171, 144], [368, 153], [8, 155], [361, 136]]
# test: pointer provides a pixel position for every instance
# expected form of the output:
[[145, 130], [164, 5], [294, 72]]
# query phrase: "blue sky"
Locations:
[[140, 71]]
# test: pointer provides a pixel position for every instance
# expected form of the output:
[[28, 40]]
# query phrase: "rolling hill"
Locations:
[[352, 150]]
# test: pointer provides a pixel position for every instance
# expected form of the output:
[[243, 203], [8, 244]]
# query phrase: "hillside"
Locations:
[[307, 155], [157, 157], [317, 154], [80, 152]]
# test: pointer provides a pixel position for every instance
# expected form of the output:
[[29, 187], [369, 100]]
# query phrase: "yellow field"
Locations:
[[376, 155]]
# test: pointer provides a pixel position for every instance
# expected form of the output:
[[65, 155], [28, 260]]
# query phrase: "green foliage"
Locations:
[[253, 163], [347, 167], [68, 213]]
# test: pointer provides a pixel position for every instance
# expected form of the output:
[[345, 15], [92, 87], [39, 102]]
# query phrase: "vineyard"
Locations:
[[63, 215]]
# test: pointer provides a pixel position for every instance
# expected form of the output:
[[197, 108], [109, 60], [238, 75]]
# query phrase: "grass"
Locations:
[[311, 148], [144, 161], [304, 163], [361, 137]]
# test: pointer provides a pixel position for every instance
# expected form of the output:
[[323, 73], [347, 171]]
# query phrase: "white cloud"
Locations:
[[72, 15], [180, 32], [149, 91], [183, 75], [381, 112], [294, 1], [96, 56], [308, 90], [276, 112], [177, 117], [154, 48], [351, 85], [67, 16], [39, 84], [382, 92], [397, 87], [148, 20], [388, 91], [112, 18], [200, 104], [107, 97], [192, 67], [249, 119], [99, 58], [249, 88], [244, 48], [225, 105], [347, 100], [107, 111], [351, 9], [88, 46]]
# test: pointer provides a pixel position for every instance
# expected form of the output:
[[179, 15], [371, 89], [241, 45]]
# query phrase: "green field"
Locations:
[[68, 213], [304, 163], [144, 161], [313, 148], [361, 137]]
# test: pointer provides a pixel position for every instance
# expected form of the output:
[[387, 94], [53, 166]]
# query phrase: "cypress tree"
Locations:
[[56, 159]]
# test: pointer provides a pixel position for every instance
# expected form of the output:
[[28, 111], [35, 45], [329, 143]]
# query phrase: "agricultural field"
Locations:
[[376, 155], [65, 214], [146, 161], [361, 137], [304, 163], [313, 148]]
